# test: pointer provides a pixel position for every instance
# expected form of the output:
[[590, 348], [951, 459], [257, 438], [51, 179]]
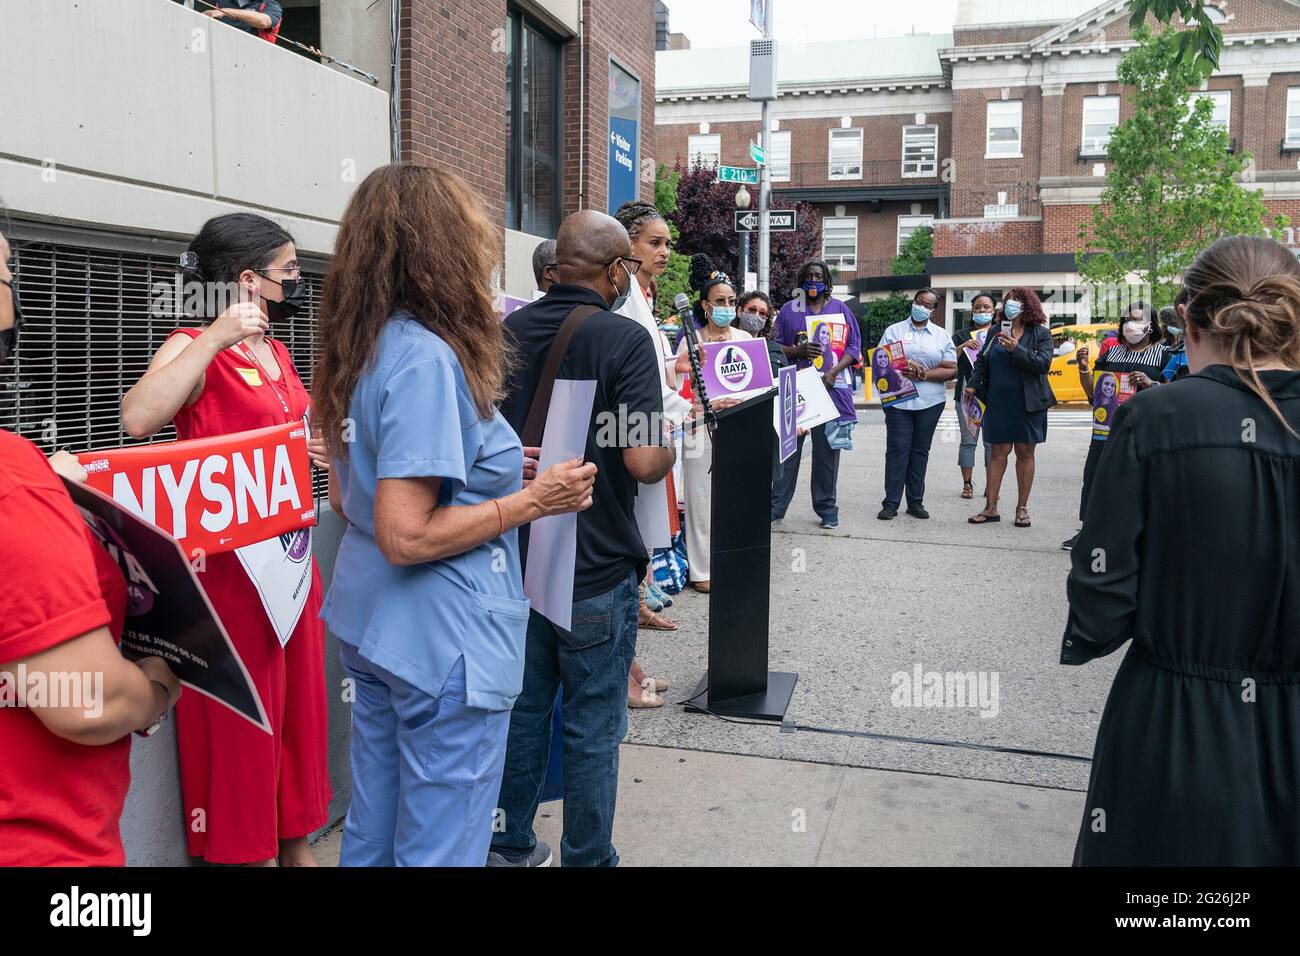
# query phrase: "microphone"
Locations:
[[682, 304]]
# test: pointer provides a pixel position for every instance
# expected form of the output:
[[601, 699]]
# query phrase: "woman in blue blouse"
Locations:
[[427, 596]]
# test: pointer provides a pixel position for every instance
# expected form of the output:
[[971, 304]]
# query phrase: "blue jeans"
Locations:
[[425, 771], [590, 663], [908, 435], [825, 475]]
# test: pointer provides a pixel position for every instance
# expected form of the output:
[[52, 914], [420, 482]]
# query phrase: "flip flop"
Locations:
[[1022, 521], [968, 489], [646, 700], [982, 518], [651, 621]]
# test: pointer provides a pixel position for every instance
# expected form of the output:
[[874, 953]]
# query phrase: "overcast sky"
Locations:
[[713, 23]]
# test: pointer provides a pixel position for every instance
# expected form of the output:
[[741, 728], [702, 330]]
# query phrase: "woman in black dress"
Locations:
[[1198, 754], [1010, 378], [1142, 354]]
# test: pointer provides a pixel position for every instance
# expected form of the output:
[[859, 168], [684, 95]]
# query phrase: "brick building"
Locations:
[[533, 102], [994, 135]]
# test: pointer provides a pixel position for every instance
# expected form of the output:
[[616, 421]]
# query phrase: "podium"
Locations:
[[738, 683]]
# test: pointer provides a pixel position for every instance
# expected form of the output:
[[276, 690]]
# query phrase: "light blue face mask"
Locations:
[[1011, 309], [920, 313], [722, 315], [981, 318]]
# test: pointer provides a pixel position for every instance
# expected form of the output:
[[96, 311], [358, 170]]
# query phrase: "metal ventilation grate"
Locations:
[[761, 47], [88, 336]]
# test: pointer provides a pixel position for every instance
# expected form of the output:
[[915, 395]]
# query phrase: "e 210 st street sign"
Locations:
[[778, 220], [738, 174]]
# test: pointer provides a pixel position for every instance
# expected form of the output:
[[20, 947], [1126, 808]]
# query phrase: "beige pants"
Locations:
[[696, 464]]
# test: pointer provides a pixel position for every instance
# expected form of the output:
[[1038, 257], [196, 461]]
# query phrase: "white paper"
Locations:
[[651, 512], [553, 540], [280, 569], [818, 407]]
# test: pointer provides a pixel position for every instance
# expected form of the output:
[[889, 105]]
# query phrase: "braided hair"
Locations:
[[635, 213]]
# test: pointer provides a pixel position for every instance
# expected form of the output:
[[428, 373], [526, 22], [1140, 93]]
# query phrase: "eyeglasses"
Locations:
[[628, 260], [295, 271]]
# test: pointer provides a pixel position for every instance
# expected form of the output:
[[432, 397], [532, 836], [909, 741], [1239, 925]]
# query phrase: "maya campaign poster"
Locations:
[[973, 345], [887, 364], [167, 613], [1110, 390], [736, 369], [973, 409], [787, 418], [831, 332], [213, 494], [812, 404]]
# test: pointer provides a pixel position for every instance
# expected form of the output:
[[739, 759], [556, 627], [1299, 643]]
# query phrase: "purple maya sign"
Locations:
[[736, 368], [787, 400]]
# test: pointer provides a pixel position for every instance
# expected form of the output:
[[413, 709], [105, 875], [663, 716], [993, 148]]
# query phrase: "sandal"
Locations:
[[645, 700], [655, 684], [968, 489], [982, 518], [652, 621], [1022, 518]]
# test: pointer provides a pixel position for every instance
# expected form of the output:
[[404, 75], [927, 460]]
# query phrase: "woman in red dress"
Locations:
[[249, 798]]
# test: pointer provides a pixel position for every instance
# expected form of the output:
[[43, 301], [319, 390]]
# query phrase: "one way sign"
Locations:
[[778, 220]]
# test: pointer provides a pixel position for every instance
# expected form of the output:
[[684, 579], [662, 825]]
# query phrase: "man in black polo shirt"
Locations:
[[251, 16], [591, 661]]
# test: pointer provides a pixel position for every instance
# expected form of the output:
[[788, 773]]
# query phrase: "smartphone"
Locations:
[[1007, 325], [800, 338]]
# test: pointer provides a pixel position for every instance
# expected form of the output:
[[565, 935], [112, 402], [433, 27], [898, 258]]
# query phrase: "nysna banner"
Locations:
[[214, 494]]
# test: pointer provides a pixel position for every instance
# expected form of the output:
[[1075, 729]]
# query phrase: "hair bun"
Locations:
[[703, 272]]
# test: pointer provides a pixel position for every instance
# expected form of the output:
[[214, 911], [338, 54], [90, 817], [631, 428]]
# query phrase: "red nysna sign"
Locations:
[[217, 493]]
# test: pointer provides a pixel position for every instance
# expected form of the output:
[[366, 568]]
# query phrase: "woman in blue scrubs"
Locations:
[[427, 595]]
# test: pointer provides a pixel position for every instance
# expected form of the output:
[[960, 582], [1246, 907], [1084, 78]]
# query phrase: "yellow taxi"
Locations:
[[1064, 373]]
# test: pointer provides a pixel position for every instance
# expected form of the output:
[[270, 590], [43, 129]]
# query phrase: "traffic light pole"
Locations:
[[765, 179]]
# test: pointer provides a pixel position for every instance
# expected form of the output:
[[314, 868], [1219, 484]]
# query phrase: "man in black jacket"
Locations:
[[590, 661]]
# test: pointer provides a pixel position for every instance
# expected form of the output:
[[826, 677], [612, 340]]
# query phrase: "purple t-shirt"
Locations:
[[793, 319]]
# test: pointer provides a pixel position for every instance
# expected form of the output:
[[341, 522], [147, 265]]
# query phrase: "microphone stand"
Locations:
[[697, 378]]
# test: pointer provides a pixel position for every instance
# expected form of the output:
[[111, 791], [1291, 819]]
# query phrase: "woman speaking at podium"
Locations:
[[249, 798]]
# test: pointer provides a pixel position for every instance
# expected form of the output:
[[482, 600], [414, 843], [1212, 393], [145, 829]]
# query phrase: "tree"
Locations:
[[676, 277], [917, 247], [705, 217], [1203, 41], [1172, 186]]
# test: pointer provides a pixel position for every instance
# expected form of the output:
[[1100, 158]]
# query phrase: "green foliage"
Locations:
[[676, 277], [917, 247], [1172, 184], [1199, 45]]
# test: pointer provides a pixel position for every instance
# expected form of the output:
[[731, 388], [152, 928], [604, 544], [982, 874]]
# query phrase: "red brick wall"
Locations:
[[1266, 109], [986, 35], [1248, 16], [988, 238], [453, 96], [624, 30], [882, 144], [877, 234], [1061, 225], [974, 174], [452, 79]]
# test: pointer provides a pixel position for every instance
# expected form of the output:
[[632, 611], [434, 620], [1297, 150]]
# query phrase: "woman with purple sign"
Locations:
[[714, 312], [813, 298]]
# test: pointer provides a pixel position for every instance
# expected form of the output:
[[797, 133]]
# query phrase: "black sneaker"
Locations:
[[829, 523], [887, 513], [917, 511], [1069, 545]]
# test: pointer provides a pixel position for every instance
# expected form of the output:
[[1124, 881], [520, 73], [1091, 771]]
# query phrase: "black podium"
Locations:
[[738, 683]]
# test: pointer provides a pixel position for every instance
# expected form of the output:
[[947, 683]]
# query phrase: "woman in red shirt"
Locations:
[[65, 766], [249, 798]]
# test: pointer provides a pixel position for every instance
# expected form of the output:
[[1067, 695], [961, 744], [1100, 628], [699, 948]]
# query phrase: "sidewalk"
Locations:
[[693, 808]]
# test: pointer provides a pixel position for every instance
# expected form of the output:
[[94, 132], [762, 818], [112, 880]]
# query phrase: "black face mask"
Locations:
[[295, 297], [9, 337]]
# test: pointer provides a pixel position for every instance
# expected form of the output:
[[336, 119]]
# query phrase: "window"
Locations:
[[840, 241], [845, 154], [778, 156], [1216, 15], [1293, 117], [1100, 117], [704, 149], [920, 151], [1222, 101], [532, 128], [1004, 128], [908, 225]]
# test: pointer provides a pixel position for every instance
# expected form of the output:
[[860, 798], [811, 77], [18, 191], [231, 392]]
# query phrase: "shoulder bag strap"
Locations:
[[536, 423]]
